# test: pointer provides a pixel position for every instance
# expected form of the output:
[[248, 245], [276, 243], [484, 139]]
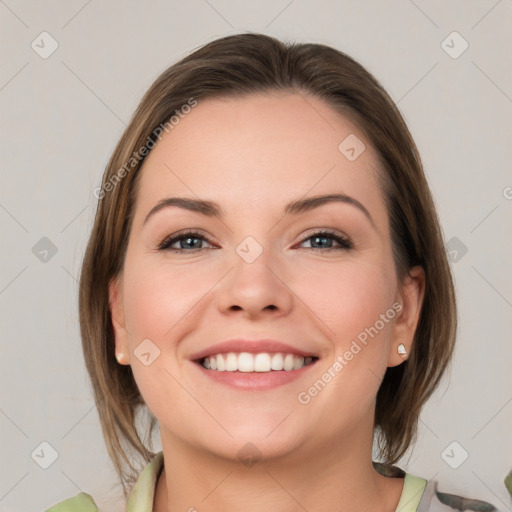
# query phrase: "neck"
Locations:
[[337, 477]]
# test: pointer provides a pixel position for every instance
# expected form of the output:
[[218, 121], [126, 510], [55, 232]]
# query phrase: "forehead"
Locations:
[[258, 151]]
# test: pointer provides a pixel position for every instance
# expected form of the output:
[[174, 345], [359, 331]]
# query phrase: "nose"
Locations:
[[255, 290]]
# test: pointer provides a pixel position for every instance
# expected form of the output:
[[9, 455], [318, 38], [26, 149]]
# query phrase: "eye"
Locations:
[[324, 240], [189, 241]]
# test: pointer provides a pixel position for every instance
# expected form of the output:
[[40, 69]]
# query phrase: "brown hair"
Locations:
[[236, 66]]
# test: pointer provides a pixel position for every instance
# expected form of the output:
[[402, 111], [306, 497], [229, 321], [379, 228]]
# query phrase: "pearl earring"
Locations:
[[119, 357], [401, 349]]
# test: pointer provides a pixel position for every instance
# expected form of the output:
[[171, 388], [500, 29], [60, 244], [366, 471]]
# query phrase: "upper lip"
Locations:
[[251, 346]]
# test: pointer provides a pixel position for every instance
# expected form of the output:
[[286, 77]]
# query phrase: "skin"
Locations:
[[253, 156]]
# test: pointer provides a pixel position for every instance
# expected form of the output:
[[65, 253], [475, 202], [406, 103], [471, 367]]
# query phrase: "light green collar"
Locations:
[[142, 495], [411, 493]]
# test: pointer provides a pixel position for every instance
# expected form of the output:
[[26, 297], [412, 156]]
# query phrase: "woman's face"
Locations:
[[318, 276]]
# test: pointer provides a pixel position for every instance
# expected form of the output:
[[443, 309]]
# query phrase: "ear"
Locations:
[[411, 299], [115, 292]]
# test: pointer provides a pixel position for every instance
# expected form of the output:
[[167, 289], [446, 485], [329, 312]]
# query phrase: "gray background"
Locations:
[[61, 117]]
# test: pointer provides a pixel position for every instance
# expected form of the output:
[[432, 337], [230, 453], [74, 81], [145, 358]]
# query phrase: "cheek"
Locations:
[[355, 302], [348, 298], [158, 296], [157, 302]]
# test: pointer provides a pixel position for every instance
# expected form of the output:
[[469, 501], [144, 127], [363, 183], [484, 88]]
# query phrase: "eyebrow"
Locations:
[[213, 209]]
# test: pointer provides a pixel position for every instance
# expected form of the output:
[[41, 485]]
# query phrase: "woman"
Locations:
[[266, 279]]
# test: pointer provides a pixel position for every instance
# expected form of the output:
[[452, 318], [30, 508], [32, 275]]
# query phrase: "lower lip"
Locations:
[[255, 380]]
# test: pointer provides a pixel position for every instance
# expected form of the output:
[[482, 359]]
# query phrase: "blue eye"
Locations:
[[324, 241], [189, 241], [192, 241]]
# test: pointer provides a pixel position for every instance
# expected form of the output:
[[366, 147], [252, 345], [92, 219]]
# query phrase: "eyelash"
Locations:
[[165, 245]]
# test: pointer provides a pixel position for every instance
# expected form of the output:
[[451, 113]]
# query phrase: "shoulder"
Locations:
[[434, 500], [82, 502], [421, 495], [140, 499]]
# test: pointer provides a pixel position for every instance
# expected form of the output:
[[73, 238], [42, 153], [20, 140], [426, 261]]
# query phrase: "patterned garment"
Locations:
[[433, 500]]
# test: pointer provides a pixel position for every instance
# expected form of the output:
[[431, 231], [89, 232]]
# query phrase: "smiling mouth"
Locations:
[[247, 362]]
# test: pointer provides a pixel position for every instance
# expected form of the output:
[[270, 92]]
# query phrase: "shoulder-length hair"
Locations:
[[236, 66]]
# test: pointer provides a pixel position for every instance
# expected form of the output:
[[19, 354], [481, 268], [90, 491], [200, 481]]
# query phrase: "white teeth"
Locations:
[[231, 362], [261, 362], [289, 362], [245, 362], [298, 363], [277, 362]]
